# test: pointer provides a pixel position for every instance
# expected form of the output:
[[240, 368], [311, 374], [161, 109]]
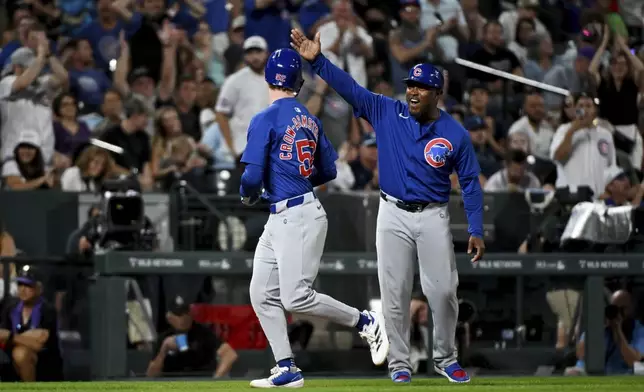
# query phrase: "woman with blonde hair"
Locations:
[[92, 166], [167, 127]]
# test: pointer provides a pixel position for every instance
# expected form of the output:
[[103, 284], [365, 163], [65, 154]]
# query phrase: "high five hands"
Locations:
[[308, 49]]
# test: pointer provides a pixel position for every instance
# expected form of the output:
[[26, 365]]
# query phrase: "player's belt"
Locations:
[[283, 205], [409, 207]]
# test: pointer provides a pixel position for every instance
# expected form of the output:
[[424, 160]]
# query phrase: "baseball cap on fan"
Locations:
[[613, 173], [255, 42], [179, 307], [28, 276]]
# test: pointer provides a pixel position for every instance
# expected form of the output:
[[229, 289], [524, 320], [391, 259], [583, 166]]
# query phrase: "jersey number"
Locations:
[[305, 151]]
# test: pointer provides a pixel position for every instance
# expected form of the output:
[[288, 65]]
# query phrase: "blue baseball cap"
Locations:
[[426, 75], [474, 123]]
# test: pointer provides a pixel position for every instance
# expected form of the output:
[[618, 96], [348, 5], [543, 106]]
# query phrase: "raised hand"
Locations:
[[308, 49]]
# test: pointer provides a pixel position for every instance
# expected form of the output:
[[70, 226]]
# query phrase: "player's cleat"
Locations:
[[281, 377], [454, 373], [401, 377], [374, 333]]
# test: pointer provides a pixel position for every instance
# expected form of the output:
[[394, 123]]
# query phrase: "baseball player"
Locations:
[[288, 155], [419, 146]]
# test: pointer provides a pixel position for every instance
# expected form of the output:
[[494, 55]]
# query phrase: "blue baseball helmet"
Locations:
[[284, 69], [426, 75]]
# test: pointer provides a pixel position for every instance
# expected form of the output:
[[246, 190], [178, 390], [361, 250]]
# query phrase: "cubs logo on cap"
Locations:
[[437, 151], [425, 75]]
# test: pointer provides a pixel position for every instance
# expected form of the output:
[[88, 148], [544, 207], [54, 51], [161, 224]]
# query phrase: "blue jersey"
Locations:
[[414, 160], [287, 152]]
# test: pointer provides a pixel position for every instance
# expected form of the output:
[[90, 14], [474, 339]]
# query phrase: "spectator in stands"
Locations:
[[448, 16], [73, 16], [205, 51], [583, 149], [526, 9], [515, 177], [93, 166], [14, 40], [130, 135], [70, 134], [183, 163], [493, 53], [26, 169], [480, 136], [167, 128], [243, 94], [475, 21], [189, 346], [25, 97], [574, 78], [525, 35], [269, 19], [222, 157], [140, 81], [345, 43], [234, 53], [88, 83], [185, 103], [112, 111], [619, 190], [7, 249], [29, 332], [535, 125], [113, 16], [345, 179], [541, 58], [410, 44], [479, 98], [313, 14], [365, 167], [618, 93], [324, 103], [543, 168], [624, 339], [206, 100]]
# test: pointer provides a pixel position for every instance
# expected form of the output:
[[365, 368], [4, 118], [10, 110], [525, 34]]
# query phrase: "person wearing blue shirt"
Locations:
[[269, 19], [103, 32], [419, 146], [624, 338], [312, 13], [223, 157], [288, 155], [86, 82]]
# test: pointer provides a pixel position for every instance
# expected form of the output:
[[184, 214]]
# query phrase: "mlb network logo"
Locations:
[[280, 78]]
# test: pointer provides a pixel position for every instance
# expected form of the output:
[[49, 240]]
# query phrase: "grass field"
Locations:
[[555, 384]]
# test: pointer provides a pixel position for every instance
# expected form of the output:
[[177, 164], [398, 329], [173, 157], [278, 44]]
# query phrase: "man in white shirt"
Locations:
[[449, 16], [533, 123], [515, 177], [243, 95], [525, 9], [346, 44], [583, 149], [25, 98]]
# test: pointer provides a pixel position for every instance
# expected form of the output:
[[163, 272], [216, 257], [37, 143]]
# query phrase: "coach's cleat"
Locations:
[[401, 377], [454, 373], [371, 328], [281, 377]]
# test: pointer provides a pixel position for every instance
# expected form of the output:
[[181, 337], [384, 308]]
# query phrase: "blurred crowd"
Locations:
[[169, 87]]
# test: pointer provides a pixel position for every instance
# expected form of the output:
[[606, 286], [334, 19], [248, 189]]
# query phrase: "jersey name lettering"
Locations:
[[299, 121]]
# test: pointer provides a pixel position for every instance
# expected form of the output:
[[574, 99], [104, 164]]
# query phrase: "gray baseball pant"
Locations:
[[402, 238], [286, 263]]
